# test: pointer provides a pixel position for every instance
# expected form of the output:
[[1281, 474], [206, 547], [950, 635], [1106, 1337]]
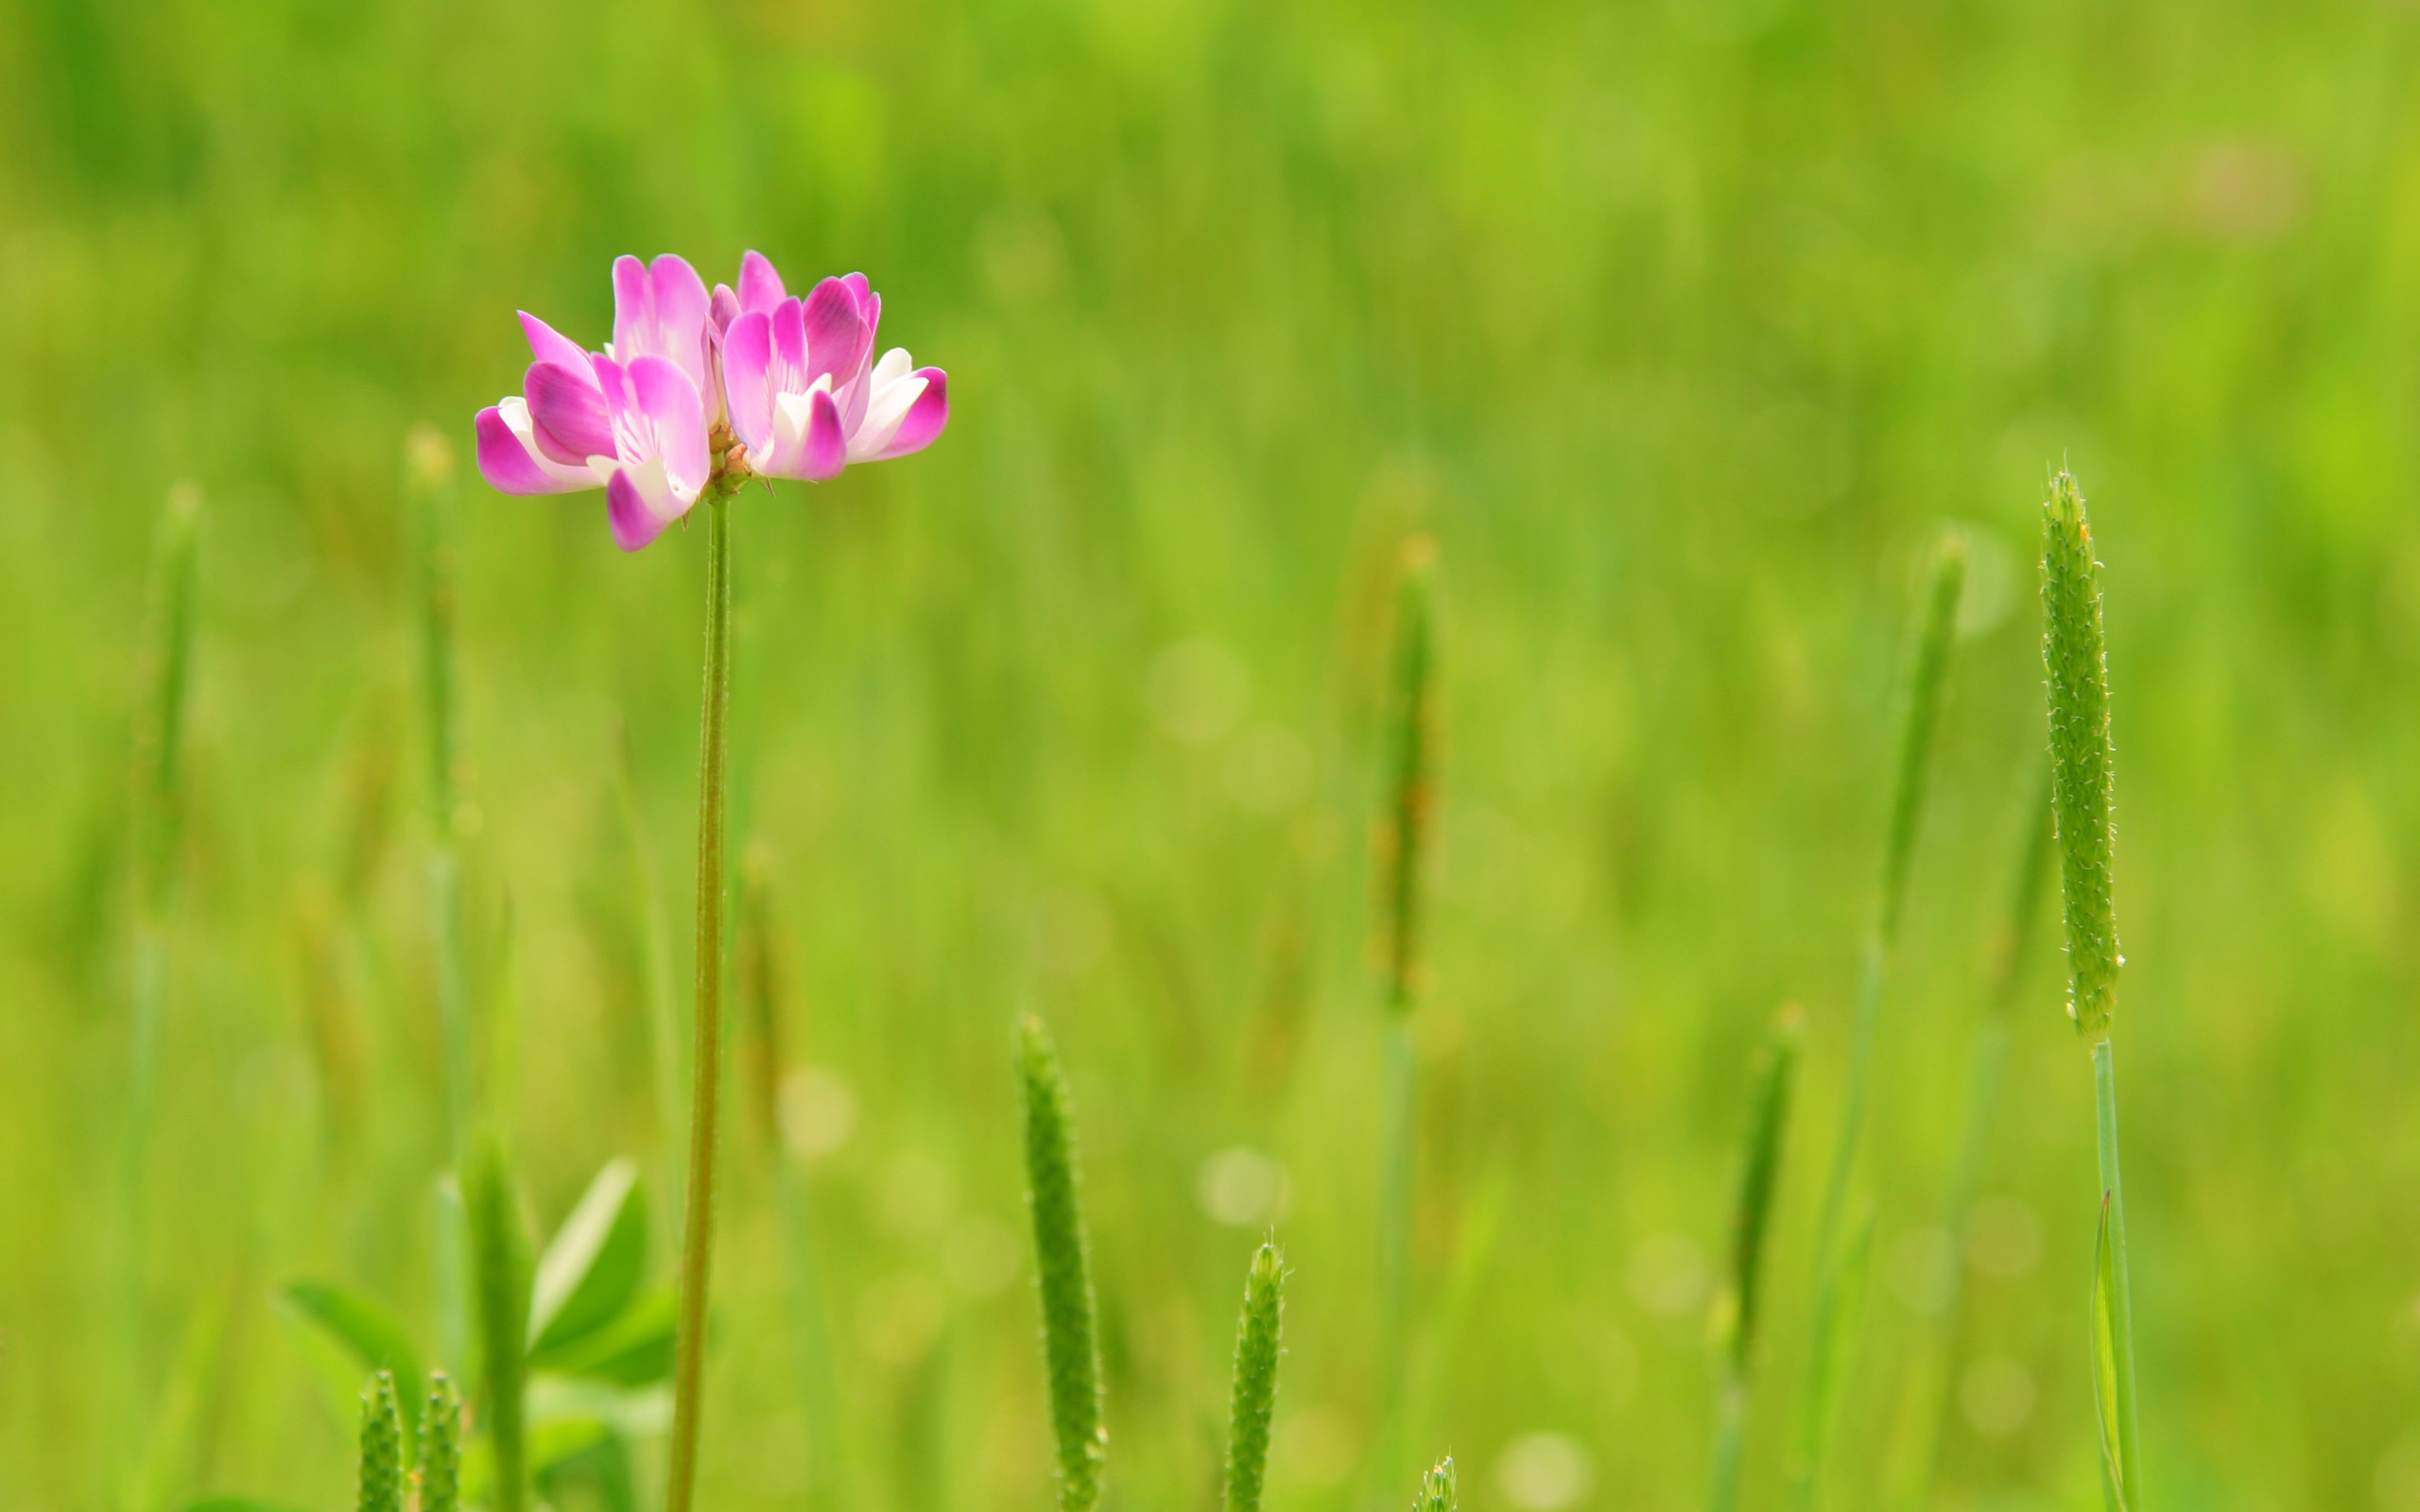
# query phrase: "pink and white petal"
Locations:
[[827, 445], [835, 326], [680, 313], [884, 415], [639, 503], [925, 418], [789, 374], [747, 360], [723, 308], [510, 459], [858, 287], [760, 286], [546, 344], [632, 297], [669, 401], [567, 409]]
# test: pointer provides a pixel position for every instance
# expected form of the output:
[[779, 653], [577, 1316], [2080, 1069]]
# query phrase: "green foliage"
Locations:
[[381, 1446], [440, 1447], [500, 1297], [2114, 1451], [366, 1331], [2082, 777], [1070, 1348], [1258, 1340], [593, 1266]]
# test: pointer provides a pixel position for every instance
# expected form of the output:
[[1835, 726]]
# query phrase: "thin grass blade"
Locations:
[[1070, 1345]]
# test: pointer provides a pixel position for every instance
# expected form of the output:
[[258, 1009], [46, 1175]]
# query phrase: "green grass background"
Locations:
[[1681, 323]]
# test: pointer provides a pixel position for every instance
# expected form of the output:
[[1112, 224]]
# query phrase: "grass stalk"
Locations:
[[1439, 1489], [705, 1065], [1070, 1341], [1259, 1339], [2074, 653], [1402, 845], [1928, 674], [1751, 1225], [156, 808]]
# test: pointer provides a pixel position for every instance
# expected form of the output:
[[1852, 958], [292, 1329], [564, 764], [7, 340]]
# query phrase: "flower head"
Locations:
[[805, 393], [653, 418]]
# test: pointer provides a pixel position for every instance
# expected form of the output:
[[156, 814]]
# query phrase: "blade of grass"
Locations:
[[1751, 1223], [2074, 652], [500, 1281], [156, 808], [1925, 1396], [1071, 1351], [1402, 843], [1258, 1343], [1928, 674]]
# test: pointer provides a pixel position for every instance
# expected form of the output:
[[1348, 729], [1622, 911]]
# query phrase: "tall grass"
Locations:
[[1751, 1223], [156, 810], [2074, 652], [1831, 1317], [1402, 845], [1924, 1395], [501, 1273], [1070, 1341]]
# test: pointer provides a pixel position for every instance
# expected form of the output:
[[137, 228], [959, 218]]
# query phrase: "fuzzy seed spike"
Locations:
[[1071, 1352], [1437, 1488], [1258, 1343], [2074, 653], [440, 1447], [1759, 1176], [381, 1446]]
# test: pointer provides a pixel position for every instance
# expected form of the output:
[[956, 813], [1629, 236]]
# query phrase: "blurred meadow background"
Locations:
[[1682, 325]]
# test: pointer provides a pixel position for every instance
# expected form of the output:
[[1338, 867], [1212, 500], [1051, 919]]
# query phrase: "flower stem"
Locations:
[[2121, 1299], [697, 1240]]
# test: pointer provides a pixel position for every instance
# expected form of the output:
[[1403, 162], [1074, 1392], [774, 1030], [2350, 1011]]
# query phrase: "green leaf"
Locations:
[[2114, 1451], [593, 1266], [634, 1350], [366, 1331]]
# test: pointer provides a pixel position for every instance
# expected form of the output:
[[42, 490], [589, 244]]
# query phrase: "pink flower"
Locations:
[[632, 418], [653, 416], [805, 391]]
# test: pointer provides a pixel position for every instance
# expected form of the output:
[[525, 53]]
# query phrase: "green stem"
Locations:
[[1730, 1423], [697, 1240], [2121, 1302], [1398, 1093]]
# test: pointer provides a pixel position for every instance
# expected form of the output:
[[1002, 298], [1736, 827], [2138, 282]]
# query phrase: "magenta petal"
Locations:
[[546, 344], [680, 297], [834, 328], [857, 286], [859, 390], [506, 463], [760, 287], [926, 416], [671, 405], [724, 307], [626, 510], [827, 445], [747, 352], [567, 412]]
